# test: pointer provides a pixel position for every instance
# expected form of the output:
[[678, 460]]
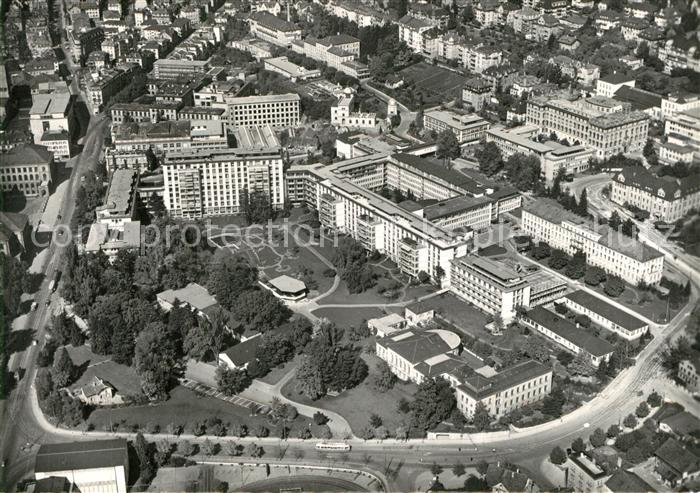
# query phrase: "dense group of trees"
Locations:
[[90, 195], [352, 264], [523, 171], [329, 363], [489, 157], [433, 403]]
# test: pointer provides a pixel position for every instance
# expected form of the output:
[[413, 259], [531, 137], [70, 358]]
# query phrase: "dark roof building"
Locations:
[[675, 463], [242, 354], [573, 337], [606, 314], [98, 465], [627, 482]]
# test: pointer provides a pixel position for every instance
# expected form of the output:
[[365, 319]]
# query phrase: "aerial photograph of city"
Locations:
[[379, 246]]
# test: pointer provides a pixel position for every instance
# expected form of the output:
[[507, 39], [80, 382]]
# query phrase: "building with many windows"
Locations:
[[415, 354], [169, 136], [466, 128], [633, 261], [27, 169], [219, 181], [573, 337], [340, 52], [52, 122], [607, 126], [665, 198], [606, 315], [583, 474], [414, 32], [276, 110], [686, 124], [689, 373], [553, 156], [271, 28]]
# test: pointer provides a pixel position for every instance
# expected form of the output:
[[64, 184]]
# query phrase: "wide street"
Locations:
[[20, 433]]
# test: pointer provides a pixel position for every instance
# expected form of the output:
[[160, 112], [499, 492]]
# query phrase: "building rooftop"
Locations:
[[338, 39], [495, 269], [677, 456], [479, 386], [50, 104], [437, 170], [81, 455], [623, 481], [244, 352], [193, 294], [256, 138], [683, 423], [418, 346], [579, 336], [606, 310], [269, 98], [102, 237], [454, 206], [550, 210], [26, 154], [287, 284], [120, 194], [273, 22], [666, 187], [456, 120]]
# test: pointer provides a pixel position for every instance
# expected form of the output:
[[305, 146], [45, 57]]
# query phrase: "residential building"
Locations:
[[590, 122], [680, 52], [110, 82], [678, 102], [51, 122], [623, 481], [340, 52], [213, 182], [270, 28], [153, 112], [686, 124], [97, 392], [343, 116], [84, 41], [573, 337], [676, 463], [683, 424], [477, 91], [478, 59], [688, 373], [27, 169], [171, 68], [360, 14], [633, 261], [414, 32], [665, 198], [606, 315], [276, 110], [169, 136], [97, 465], [583, 474], [240, 355], [469, 127], [192, 296]]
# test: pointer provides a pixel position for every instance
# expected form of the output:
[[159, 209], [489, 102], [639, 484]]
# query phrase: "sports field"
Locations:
[[436, 81]]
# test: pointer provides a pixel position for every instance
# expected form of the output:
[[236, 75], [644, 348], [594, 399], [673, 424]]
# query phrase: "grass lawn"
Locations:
[[185, 407], [356, 405], [652, 307], [351, 317], [278, 372]]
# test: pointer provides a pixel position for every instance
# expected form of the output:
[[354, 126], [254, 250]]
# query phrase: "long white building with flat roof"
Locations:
[[633, 261], [276, 110]]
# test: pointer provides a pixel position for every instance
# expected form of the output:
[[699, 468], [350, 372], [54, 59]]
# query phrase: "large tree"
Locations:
[[489, 157], [63, 370], [447, 145], [157, 360], [204, 341], [232, 381], [433, 403]]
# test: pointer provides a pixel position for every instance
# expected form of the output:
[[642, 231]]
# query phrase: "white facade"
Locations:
[[613, 252], [206, 183]]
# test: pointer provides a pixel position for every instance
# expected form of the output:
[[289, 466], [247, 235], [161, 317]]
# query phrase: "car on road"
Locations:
[[34, 305]]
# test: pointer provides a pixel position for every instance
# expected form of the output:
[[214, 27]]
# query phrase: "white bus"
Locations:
[[333, 446]]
